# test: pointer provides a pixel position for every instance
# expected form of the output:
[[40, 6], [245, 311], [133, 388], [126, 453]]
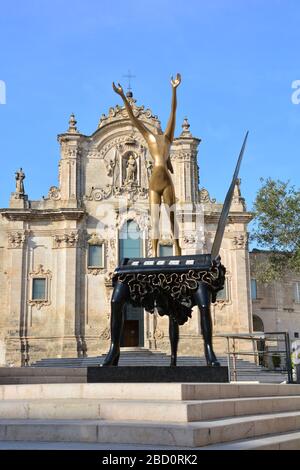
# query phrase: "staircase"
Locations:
[[246, 370], [164, 416]]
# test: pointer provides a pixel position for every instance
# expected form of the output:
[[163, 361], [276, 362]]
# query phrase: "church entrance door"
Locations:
[[133, 331], [130, 246]]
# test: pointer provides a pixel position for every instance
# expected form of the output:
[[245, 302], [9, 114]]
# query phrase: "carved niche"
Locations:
[[128, 177]]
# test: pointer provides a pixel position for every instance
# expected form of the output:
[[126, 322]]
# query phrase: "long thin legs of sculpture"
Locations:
[[119, 297], [203, 299], [174, 338]]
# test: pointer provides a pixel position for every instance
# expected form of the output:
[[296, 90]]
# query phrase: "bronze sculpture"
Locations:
[[161, 187], [170, 285]]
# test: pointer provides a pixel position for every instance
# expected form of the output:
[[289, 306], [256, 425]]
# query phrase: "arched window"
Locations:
[[258, 324], [130, 245]]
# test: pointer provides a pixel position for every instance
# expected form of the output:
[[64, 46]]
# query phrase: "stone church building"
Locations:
[[57, 254]]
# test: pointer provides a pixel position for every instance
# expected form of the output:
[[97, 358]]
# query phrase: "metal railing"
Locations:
[[275, 345]]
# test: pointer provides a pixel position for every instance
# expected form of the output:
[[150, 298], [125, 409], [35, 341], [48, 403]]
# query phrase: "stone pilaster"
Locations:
[[16, 298], [184, 160], [240, 260], [68, 288]]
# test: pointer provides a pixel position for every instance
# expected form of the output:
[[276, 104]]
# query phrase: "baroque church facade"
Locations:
[[57, 254]]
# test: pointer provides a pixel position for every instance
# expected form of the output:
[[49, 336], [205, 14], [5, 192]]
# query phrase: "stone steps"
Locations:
[[283, 441], [150, 391], [37, 375], [157, 414], [140, 357], [136, 360], [197, 434], [145, 410]]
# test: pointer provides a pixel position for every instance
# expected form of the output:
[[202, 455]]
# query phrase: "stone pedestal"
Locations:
[[155, 374]]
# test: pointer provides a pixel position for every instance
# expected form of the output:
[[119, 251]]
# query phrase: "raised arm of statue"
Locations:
[[135, 121], [172, 119]]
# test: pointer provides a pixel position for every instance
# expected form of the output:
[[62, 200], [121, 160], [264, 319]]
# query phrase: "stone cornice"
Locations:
[[68, 137], [193, 141], [36, 214], [233, 218]]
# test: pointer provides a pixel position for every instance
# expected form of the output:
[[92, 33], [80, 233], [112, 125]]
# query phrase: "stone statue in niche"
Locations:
[[131, 170]]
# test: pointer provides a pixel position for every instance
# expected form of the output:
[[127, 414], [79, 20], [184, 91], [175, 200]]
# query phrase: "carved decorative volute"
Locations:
[[65, 240], [119, 112], [16, 239]]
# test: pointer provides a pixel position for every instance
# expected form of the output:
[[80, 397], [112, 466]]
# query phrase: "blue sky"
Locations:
[[238, 59]]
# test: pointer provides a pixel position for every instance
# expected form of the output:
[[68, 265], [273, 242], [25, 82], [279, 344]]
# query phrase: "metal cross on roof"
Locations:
[[129, 76]]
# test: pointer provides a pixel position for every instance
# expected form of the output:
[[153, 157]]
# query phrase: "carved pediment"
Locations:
[[119, 113], [94, 239]]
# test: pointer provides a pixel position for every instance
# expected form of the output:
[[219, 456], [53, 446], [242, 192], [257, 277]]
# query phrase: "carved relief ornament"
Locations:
[[54, 193], [240, 242], [120, 113], [16, 239], [65, 240], [205, 197], [105, 334]]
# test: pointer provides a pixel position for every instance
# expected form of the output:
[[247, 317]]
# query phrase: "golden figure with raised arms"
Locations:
[[161, 187]]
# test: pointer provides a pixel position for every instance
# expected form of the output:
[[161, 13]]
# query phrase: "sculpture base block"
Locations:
[[154, 374]]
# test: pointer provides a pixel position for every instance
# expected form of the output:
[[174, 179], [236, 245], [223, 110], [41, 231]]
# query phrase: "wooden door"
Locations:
[[130, 333]]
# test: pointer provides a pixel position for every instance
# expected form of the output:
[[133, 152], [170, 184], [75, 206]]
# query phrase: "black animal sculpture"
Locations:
[[172, 286]]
